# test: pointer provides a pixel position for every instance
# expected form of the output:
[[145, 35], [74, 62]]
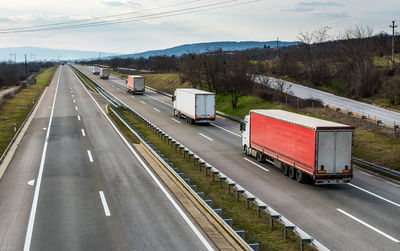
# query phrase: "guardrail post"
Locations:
[[304, 241], [286, 229], [248, 202], [238, 194], [271, 220], [229, 188]]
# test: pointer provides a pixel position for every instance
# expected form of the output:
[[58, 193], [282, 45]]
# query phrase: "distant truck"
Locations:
[[196, 106], [96, 70], [62, 63], [135, 84], [304, 148], [104, 73]]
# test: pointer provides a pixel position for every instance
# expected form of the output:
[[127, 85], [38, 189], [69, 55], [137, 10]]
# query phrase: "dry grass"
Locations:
[[16, 109]]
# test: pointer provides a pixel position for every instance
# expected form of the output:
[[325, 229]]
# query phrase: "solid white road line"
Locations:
[[206, 137], [83, 133], [177, 121], [220, 127], [142, 102], [31, 222], [257, 165], [156, 109], [155, 179], [374, 194], [368, 225], [105, 206], [90, 155], [79, 117], [76, 108], [44, 128]]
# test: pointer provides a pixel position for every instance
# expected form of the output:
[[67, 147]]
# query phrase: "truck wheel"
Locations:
[[285, 169], [245, 150], [292, 172], [179, 115], [299, 176], [259, 157]]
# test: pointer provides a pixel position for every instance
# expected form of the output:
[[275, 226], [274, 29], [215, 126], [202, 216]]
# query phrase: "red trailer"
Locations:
[[301, 146]]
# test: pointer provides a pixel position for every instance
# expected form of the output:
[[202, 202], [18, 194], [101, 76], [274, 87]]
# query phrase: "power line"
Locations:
[[97, 18], [177, 12]]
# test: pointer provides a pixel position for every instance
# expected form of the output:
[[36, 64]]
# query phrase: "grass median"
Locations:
[[89, 81], [257, 230], [16, 109]]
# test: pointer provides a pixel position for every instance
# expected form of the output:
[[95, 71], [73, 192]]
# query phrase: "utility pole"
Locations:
[[277, 47], [393, 26], [26, 66]]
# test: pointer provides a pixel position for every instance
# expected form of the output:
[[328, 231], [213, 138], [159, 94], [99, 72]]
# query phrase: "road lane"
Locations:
[[312, 208], [108, 204], [15, 193]]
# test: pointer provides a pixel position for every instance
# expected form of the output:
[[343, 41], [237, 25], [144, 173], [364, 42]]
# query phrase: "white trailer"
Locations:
[[104, 73], [96, 70], [196, 106]]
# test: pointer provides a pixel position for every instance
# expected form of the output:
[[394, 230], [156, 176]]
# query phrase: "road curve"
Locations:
[[368, 110]]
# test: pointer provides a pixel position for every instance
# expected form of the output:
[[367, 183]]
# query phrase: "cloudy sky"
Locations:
[[222, 21]]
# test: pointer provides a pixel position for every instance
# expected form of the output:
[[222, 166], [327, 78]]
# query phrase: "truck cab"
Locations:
[[245, 129]]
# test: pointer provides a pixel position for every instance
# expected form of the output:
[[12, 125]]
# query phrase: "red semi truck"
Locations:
[[302, 147], [135, 84]]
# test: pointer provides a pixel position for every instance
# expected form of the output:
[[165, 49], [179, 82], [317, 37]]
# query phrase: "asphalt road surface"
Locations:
[[82, 188], [360, 216], [374, 112]]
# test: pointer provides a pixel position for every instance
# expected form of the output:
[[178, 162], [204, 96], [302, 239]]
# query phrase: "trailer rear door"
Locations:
[[334, 151], [205, 105]]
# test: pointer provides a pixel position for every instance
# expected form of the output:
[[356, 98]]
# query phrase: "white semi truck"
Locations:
[[96, 70], [196, 106]]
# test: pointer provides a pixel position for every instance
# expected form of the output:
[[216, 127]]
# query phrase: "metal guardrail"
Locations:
[[305, 238], [377, 167]]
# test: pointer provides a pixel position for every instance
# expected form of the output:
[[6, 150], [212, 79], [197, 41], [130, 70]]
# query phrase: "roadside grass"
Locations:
[[166, 82], [245, 104], [257, 230], [117, 73], [16, 109], [377, 148]]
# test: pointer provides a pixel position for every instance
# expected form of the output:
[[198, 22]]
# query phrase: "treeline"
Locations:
[[13, 74], [350, 65]]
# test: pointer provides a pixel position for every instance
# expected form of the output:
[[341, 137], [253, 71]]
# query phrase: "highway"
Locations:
[[374, 112], [360, 216], [73, 184]]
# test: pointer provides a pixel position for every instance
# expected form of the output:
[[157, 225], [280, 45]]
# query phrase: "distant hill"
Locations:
[[206, 47], [40, 54]]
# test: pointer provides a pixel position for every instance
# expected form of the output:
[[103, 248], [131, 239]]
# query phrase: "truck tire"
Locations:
[[285, 169], [292, 172], [259, 157], [300, 176], [179, 115]]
